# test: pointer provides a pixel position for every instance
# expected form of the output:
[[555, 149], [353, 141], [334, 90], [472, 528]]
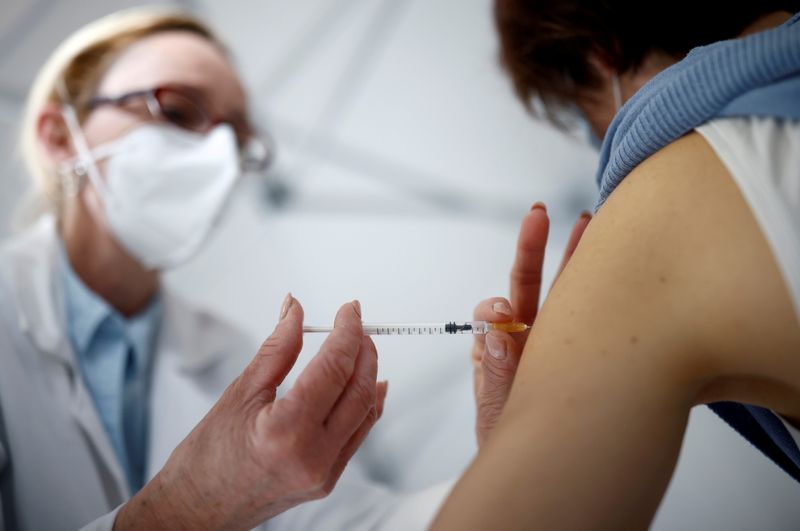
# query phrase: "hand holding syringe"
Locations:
[[425, 329]]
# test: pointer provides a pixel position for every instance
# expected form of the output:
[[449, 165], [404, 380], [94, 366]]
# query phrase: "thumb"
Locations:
[[499, 365], [278, 353]]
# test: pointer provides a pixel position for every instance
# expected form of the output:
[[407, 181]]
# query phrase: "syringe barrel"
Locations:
[[403, 329], [417, 329]]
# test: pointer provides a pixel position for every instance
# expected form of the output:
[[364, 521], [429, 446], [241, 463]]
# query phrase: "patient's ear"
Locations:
[[53, 135]]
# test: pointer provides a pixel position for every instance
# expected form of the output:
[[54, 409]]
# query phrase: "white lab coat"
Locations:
[[65, 473]]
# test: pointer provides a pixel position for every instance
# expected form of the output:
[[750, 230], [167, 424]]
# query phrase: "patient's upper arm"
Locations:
[[671, 298], [675, 270]]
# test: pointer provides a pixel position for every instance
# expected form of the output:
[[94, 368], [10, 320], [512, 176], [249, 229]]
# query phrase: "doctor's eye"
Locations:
[[182, 111]]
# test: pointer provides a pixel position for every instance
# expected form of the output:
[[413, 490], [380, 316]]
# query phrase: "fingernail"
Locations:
[[502, 308], [357, 306], [586, 214], [539, 204], [287, 303], [385, 384], [496, 347]]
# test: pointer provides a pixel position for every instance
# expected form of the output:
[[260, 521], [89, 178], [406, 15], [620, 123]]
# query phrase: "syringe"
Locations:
[[418, 329]]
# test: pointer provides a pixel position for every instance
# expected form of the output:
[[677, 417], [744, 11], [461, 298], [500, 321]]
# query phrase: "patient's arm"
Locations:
[[671, 299]]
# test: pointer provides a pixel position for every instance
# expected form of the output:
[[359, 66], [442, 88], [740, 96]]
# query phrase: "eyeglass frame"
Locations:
[[246, 135]]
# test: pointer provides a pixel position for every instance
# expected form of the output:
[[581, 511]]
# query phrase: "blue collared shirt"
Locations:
[[114, 355]]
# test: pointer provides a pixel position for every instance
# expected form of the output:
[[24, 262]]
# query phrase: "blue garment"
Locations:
[[757, 75], [114, 355]]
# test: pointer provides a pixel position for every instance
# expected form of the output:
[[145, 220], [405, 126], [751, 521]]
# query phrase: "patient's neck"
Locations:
[[765, 22]]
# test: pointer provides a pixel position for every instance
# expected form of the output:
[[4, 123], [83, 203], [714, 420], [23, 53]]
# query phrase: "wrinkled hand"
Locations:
[[495, 357], [253, 456]]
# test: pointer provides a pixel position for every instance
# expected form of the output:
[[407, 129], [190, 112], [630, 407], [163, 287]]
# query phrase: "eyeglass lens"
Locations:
[[182, 111]]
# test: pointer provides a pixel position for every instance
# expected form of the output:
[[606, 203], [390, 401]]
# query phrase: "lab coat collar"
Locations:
[[31, 262], [193, 339]]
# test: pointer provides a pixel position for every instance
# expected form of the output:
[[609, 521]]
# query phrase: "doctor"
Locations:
[[135, 132], [116, 403]]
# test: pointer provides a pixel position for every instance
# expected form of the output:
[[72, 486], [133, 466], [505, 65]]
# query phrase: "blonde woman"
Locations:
[[135, 132]]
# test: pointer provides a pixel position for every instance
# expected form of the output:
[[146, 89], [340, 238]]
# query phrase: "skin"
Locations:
[[252, 456], [608, 445], [496, 356], [692, 309]]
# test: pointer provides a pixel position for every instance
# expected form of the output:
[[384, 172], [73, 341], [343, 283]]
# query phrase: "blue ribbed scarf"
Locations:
[[757, 75]]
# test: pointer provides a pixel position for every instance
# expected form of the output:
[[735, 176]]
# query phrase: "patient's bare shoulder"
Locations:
[[677, 243], [671, 298]]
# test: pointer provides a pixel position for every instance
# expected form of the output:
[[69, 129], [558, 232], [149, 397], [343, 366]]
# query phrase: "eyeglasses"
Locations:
[[185, 107]]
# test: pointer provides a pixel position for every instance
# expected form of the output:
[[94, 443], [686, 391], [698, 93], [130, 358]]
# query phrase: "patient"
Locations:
[[685, 287]]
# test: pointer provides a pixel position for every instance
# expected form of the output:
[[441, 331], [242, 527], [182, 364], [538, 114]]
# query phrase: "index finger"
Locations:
[[324, 379], [358, 397], [278, 352], [495, 310], [526, 273]]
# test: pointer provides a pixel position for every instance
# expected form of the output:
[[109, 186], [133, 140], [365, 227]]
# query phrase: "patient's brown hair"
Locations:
[[545, 45]]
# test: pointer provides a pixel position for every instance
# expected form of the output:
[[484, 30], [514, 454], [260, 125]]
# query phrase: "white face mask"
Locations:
[[165, 187]]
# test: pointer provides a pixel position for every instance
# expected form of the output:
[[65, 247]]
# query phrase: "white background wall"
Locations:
[[408, 165]]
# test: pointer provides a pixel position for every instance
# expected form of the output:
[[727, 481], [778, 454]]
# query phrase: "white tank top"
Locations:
[[763, 157]]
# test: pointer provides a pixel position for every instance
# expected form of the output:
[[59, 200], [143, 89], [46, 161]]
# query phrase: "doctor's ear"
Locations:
[[53, 135]]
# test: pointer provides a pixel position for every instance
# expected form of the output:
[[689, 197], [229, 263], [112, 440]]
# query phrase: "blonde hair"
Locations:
[[79, 63]]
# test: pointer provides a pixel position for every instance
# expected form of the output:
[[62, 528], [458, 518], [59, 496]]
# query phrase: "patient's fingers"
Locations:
[[495, 309], [526, 273], [499, 365]]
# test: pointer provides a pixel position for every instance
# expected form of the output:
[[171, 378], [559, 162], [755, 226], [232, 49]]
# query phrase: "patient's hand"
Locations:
[[495, 357]]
